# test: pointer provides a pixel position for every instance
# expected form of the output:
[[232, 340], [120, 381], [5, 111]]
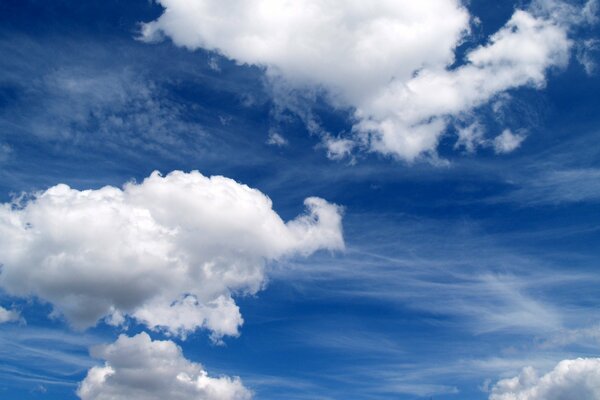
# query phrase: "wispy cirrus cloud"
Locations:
[[553, 187], [34, 355], [81, 101], [486, 286]]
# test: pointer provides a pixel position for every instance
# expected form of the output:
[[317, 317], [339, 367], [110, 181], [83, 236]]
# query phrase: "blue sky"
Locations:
[[460, 268]]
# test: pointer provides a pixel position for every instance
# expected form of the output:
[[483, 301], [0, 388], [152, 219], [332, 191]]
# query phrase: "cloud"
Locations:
[[391, 62], [507, 142], [67, 91], [119, 107], [276, 139], [34, 356], [138, 368], [338, 148], [470, 137], [587, 336], [553, 187], [476, 282], [170, 251], [570, 379], [9, 315], [587, 54]]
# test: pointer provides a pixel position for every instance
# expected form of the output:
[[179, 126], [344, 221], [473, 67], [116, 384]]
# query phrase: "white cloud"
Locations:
[[389, 61], [571, 379], [9, 315], [276, 139], [137, 368], [338, 148], [587, 336], [470, 137], [507, 142], [170, 251]]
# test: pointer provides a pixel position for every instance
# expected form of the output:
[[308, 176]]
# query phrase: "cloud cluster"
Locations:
[[392, 62], [138, 368], [571, 379], [170, 251]]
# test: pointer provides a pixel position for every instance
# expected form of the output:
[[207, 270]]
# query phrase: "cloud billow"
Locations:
[[570, 379], [171, 251], [138, 368], [391, 62]]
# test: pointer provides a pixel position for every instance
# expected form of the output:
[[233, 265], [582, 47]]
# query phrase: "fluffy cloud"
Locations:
[[389, 61], [571, 379], [170, 251], [9, 315], [507, 142], [138, 368]]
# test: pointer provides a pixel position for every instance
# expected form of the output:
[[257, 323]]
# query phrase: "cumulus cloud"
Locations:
[[391, 62], [571, 379], [9, 315], [507, 142], [170, 251], [137, 368]]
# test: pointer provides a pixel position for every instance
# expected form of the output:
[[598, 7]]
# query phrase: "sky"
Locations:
[[223, 200]]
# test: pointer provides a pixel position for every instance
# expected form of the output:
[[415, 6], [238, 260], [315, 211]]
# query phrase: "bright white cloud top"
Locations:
[[571, 379], [391, 61], [138, 368], [170, 251]]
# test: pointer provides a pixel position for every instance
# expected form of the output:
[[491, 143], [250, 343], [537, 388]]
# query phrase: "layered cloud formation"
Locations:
[[571, 379], [138, 368], [170, 251], [392, 62]]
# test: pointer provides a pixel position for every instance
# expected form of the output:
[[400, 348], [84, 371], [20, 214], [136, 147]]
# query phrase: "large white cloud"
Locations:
[[169, 251], [388, 60], [571, 379], [137, 368]]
